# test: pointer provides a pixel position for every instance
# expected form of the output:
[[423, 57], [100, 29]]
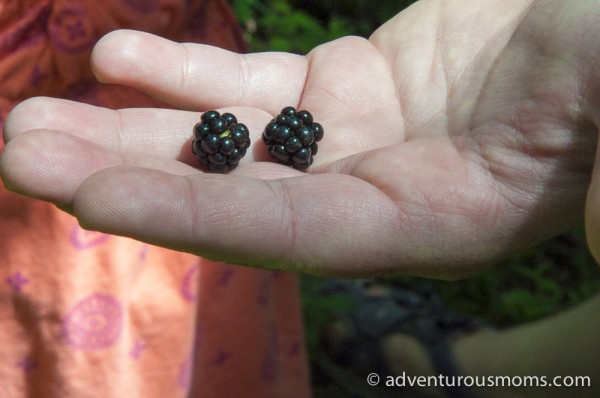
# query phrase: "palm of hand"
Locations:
[[444, 148]]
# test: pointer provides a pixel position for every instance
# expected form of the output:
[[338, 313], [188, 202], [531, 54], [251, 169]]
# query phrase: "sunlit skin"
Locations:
[[459, 132]]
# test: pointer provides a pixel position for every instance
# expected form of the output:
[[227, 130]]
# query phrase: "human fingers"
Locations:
[[196, 76], [156, 132]]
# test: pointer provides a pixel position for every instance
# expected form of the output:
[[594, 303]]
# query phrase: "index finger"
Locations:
[[196, 76]]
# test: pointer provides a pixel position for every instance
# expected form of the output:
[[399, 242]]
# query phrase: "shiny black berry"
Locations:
[[220, 142], [291, 137]]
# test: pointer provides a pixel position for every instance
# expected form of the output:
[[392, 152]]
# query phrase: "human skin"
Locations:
[[459, 132]]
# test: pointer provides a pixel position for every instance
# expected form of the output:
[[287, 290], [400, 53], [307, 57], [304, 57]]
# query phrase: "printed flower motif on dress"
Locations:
[[270, 363], [71, 30], [137, 349], [295, 348], [186, 369], [265, 288], [82, 239], [189, 285], [221, 357], [144, 251], [184, 379], [37, 76], [93, 323], [227, 272], [27, 364], [17, 281]]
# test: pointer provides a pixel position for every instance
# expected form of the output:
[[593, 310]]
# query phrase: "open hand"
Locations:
[[459, 132]]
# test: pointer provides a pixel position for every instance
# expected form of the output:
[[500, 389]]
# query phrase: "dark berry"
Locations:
[[279, 152], [306, 135], [269, 132], [293, 122], [219, 168], [291, 137], [196, 145], [201, 129], [305, 117], [210, 144], [207, 116], [288, 111], [240, 136], [227, 146], [220, 142], [318, 131], [293, 144], [229, 118], [217, 158], [302, 156], [282, 134], [236, 155], [281, 119], [218, 125]]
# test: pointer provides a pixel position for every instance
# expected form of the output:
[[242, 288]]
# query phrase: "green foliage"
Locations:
[[530, 285], [365, 15], [276, 25], [319, 310], [298, 26], [535, 283]]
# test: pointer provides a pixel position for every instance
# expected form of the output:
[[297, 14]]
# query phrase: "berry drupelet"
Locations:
[[292, 136], [220, 142]]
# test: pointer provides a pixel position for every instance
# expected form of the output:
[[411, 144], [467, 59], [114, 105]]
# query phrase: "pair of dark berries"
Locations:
[[291, 137]]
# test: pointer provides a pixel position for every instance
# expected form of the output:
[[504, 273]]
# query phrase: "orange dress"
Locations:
[[85, 314]]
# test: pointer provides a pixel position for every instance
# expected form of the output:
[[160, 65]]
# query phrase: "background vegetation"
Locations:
[[530, 285]]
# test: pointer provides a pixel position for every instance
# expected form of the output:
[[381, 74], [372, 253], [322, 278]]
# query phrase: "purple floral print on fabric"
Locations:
[[189, 285], [94, 323], [17, 281], [71, 30], [144, 251], [265, 288], [227, 272], [184, 379], [82, 239], [27, 364], [136, 351], [294, 348], [270, 362], [221, 357], [37, 76]]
